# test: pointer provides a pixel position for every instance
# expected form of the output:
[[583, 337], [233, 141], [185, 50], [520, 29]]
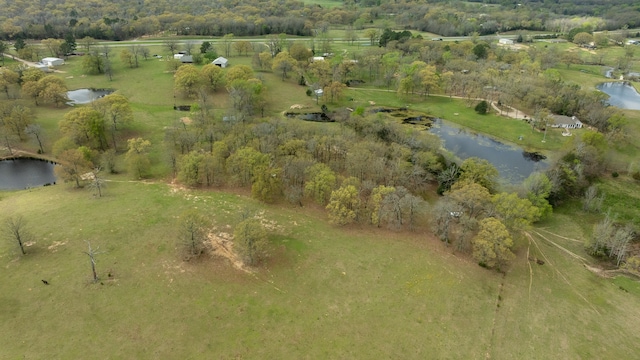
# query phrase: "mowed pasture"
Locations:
[[326, 292]]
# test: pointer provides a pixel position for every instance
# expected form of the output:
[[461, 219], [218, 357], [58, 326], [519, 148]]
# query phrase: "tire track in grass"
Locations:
[[572, 254], [495, 316], [530, 268], [560, 236], [562, 275]]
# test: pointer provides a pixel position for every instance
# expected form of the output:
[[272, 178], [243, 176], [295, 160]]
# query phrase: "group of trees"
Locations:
[[91, 139], [369, 171], [17, 119], [474, 215]]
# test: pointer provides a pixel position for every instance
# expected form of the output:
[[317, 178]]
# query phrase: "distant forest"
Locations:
[[120, 19]]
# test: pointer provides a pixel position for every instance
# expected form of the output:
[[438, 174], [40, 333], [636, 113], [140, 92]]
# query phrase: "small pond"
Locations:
[[22, 173], [85, 96], [310, 116], [621, 94], [513, 164]]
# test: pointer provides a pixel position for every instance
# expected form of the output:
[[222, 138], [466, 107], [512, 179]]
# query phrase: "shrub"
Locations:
[[615, 174], [482, 108], [309, 92]]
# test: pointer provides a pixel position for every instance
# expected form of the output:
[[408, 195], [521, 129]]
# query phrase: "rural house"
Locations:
[[566, 122]]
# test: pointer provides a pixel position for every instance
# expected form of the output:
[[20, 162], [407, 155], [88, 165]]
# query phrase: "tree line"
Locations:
[[120, 20]]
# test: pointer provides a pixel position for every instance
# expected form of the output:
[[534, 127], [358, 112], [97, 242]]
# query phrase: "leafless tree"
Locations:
[[15, 230], [35, 130], [172, 46], [97, 183], [92, 255]]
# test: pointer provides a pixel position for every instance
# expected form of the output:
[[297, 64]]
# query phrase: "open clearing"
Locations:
[[326, 292]]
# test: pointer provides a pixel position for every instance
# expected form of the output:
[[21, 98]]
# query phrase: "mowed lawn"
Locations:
[[326, 292]]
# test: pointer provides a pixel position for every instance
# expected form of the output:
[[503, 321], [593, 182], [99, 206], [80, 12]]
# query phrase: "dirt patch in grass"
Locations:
[[54, 247], [222, 245]]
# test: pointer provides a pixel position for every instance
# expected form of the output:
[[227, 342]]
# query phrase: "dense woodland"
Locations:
[[119, 20]]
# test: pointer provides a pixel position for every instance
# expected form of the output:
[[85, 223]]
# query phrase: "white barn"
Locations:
[[52, 61], [220, 61]]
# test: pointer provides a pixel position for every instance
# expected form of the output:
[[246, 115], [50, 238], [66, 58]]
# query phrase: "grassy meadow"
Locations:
[[325, 293]]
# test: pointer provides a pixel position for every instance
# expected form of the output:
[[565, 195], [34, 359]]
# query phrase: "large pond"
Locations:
[[85, 96], [22, 173], [513, 164], [621, 95]]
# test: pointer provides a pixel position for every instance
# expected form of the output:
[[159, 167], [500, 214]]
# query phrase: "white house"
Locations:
[[566, 122], [505, 41], [178, 56], [317, 58], [51, 61], [220, 61]]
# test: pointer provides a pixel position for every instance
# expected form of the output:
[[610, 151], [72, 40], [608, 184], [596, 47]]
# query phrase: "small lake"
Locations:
[[85, 96], [621, 95], [513, 164], [22, 173]]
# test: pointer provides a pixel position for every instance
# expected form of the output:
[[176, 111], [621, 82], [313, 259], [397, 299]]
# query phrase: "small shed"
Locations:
[[52, 61], [220, 61]]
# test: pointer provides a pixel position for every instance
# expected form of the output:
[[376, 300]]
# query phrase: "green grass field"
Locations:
[[325, 293]]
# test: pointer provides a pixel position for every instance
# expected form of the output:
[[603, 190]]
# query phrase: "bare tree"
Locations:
[[106, 51], [592, 202], [15, 230], [35, 130], [188, 46], [92, 255], [97, 183], [136, 51], [172, 46]]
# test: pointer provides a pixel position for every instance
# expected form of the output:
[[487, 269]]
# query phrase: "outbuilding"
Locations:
[[52, 61], [220, 61]]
